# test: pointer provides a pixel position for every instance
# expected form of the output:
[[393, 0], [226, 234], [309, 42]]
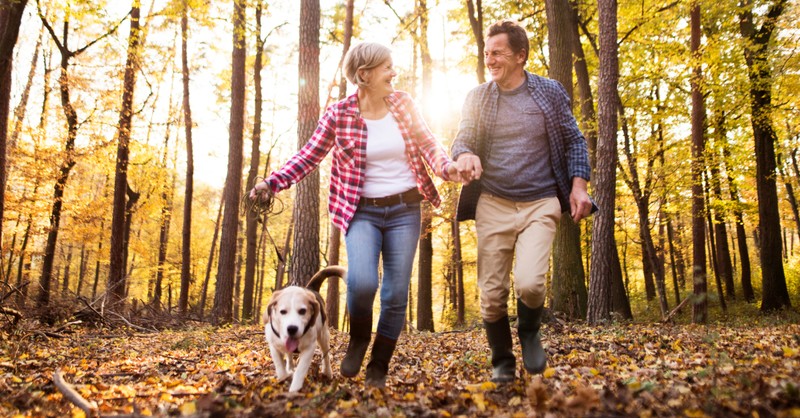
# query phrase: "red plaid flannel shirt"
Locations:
[[342, 129]]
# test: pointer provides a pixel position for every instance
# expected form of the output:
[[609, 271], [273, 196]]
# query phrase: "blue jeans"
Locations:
[[391, 232]]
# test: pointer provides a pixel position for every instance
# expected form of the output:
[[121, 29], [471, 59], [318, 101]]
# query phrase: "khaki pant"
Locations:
[[506, 228]]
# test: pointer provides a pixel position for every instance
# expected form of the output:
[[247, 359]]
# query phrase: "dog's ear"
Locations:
[[318, 307], [272, 302]]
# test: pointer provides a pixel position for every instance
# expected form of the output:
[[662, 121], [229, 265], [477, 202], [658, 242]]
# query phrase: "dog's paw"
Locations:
[[284, 377]]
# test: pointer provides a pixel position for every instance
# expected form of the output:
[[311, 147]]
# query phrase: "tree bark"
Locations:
[[186, 231], [222, 312], [305, 256], [700, 305], [475, 13], [332, 297], [166, 218], [10, 20], [251, 218], [600, 285], [568, 276], [775, 294], [211, 253]]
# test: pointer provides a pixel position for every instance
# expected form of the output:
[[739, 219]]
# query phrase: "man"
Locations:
[[518, 136]]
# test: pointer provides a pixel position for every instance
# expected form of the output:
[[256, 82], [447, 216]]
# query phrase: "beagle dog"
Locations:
[[295, 323]]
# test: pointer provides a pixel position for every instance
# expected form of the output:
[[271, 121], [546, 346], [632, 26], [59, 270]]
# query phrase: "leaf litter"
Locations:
[[638, 370]]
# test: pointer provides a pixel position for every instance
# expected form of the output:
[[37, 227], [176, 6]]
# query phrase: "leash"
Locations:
[[262, 207]]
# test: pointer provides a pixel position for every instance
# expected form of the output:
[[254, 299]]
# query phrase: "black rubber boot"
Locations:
[[360, 334], [503, 362], [530, 321], [378, 366]]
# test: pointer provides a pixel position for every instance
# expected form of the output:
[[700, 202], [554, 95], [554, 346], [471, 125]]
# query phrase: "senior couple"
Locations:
[[518, 152]]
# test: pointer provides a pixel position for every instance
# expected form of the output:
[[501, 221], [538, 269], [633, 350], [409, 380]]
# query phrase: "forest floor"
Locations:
[[617, 370]]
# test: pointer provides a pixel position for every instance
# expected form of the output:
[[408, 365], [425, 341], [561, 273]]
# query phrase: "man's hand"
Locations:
[[469, 166], [453, 174], [579, 203]]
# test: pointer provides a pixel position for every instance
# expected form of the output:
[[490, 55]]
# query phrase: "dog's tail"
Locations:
[[316, 282]]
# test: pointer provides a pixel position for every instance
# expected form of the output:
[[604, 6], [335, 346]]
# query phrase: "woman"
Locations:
[[380, 145]]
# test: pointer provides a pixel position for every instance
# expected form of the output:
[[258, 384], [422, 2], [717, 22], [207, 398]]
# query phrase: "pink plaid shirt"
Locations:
[[342, 129]]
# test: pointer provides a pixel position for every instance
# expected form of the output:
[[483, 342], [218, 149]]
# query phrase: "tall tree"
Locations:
[[332, 297], [251, 218], [600, 285], [116, 271], [186, 231], [475, 13], [68, 161], [222, 312], [167, 196], [569, 288], [305, 257], [775, 294], [425, 260], [700, 286], [10, 19]]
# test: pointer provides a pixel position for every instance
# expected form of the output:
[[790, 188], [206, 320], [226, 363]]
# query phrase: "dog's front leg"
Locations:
[[324, 345], [303, 364], [280, 363]]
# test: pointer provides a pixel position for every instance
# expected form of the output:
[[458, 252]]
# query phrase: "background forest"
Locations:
[[135, 128]]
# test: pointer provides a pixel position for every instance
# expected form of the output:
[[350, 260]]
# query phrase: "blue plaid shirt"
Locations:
[[568, 151]]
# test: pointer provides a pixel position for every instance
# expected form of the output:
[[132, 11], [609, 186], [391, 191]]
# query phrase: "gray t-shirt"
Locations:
[[518, 166]]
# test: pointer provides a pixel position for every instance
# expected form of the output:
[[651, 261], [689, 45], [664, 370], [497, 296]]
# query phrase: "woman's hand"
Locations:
[[260, 190]]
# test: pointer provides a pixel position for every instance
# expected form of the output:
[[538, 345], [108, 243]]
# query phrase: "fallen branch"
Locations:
[[73, 396], [143, 329], [17, 289], [11, 312], [676, 310]]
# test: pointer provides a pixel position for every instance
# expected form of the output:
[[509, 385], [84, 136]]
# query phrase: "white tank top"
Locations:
[[388, 171]]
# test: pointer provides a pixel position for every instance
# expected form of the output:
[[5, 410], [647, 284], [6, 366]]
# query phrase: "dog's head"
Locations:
[[291, 312]]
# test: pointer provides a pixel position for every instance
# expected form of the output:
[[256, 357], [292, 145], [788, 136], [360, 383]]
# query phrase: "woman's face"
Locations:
[[379, 79]]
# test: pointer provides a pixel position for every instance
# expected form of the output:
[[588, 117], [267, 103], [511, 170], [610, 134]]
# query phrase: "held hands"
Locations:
[[469, 167], [580, 206]]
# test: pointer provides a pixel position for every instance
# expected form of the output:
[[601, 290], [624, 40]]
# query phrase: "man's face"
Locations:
[[503, 64]]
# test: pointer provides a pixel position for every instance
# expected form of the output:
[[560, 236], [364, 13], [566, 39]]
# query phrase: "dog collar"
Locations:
[[273, 328]]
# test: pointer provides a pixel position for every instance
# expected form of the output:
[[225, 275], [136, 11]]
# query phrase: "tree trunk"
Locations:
[[251, 218], [600, 285], [332, 298], [210, 263], [71, 117], [116, 271], [10, 19], [67, 265], [166, 218], [425, 270], [81, 270], [774, 291], [741, 234], [724, 263], [305, 259], [475, 13], [458, 269], [700, 305], [19, 112], [712, 241], [568, 276], [186, 231], [223, 296]]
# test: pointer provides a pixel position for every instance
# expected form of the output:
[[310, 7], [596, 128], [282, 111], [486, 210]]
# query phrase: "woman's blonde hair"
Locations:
[[364, 56]]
